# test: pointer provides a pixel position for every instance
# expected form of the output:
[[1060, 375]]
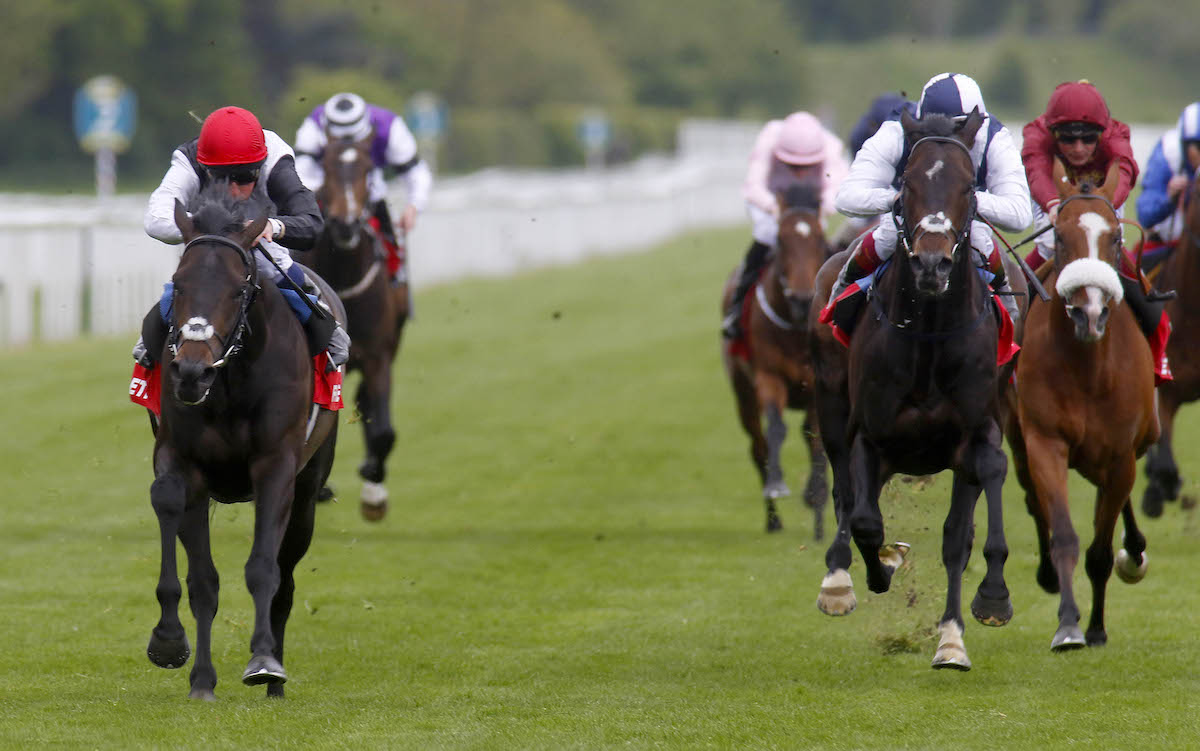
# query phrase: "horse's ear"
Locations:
[[1062, 183], [251, 231], [1109, 188], [184, 222], [970, 127], [907, 121]]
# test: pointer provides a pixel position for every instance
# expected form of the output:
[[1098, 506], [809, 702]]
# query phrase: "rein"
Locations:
[[233, 344]]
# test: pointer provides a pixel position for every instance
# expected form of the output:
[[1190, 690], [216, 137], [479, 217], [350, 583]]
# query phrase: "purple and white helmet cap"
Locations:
[[951, 94], [346, 116]]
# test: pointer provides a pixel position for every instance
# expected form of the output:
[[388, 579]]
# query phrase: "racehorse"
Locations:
[[1084, 401], [348, 255], [916, 390], [1180, 271], [777, 374], [237, 424]]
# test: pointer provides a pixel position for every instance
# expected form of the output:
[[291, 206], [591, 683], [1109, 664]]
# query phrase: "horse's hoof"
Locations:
[[374, 501], [1152, 501], [263, 669], [1187, 502], [168, 653], [202, 694], [775, 490], [991, 612], [1068, 638], [774, 523], [1128, 569], [837, 594], [951, 652], [325, 494], [1097, 638], [893, 555]]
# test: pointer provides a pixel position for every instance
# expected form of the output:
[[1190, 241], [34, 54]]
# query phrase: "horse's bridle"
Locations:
[[906, 237], [232, 342]]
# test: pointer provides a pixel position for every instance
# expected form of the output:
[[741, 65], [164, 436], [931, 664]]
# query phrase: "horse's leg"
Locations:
[[274, 478], [957, 537], [1048, 470], [1046, 577], [374, 405], [992, 605], [816, 491], [750, 416], [1162, 473], [866, 520], [203, 588], [772, 395], [1131, 561], [168, 647], [1111, 498], [833, 414]]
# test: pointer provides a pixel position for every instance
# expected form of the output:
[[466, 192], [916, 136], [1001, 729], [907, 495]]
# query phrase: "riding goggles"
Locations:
[[1069, 138], [235, 175]]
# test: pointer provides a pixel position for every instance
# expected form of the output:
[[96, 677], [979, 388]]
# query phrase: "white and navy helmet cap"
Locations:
[[951, 94], [346, 116], [1189, 123]]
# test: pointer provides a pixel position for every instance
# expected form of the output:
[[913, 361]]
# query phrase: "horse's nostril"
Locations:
[[944, 266]]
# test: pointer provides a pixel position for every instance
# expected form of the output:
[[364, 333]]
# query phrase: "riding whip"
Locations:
[[321, 312]]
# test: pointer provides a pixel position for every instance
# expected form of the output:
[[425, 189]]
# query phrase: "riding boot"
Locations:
[[390, 241], [1152, 318], [153, 339], [1004, 293], [861, 262], [756, 256]]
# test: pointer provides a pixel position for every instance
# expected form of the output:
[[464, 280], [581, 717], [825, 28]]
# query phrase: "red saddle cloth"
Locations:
[[146, 387], [395, 253], [741, 347]]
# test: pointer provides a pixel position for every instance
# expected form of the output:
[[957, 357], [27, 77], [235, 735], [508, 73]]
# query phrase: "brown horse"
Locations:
[[1084, 400], [349, 255], [1180, 272], [777, 374], [916, 391]]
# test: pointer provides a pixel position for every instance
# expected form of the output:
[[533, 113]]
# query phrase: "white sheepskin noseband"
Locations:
[[1090, 272]]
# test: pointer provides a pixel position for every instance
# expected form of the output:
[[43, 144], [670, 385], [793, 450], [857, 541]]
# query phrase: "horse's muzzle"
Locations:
[[932, 272], [344, 234], [798, 307], [1090, 322], [192, 380]]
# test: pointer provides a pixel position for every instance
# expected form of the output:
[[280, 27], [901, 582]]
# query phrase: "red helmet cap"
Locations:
[[1077, 102], [231, 136]]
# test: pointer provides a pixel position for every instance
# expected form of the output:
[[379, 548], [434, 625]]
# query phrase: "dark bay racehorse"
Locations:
[[1084, 401], [916, 392], [349, 256], [237, 424], [1181, 273], [778, 374]]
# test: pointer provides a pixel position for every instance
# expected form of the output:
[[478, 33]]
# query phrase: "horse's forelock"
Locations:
[[804, 196], [932, 124], [215, 211]]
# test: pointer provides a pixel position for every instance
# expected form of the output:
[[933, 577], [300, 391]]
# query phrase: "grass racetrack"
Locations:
[[574, 558]]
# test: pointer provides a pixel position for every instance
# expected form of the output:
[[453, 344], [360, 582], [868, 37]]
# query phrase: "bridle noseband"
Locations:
[[230, 344], [906, 237]]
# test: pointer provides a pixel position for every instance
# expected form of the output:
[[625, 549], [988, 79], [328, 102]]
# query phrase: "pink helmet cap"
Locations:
[[801, 140]]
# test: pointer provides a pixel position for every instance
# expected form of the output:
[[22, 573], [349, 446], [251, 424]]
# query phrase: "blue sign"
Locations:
[[105, 114], [425, 114], [594, 131]]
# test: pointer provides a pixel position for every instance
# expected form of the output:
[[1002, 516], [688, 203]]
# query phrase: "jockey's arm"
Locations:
[[754, 187], [181, 182], [1006, 201], [867, 189], [309, 146], [401, 154], [296, 206], [1153, 204]]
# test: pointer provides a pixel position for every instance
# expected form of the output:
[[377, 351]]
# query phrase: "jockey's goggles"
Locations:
[[238, 175], [1069, 138]]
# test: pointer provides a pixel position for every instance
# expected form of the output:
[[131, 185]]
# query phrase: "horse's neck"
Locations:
[[907, 307]]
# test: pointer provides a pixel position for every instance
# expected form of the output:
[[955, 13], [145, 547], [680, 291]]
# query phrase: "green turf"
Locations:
[[574, 558]]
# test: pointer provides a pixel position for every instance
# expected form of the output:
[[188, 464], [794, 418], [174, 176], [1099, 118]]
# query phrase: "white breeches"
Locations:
[[764, 226], [281, 256]]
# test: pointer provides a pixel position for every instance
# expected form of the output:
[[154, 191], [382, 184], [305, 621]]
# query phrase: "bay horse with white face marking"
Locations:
[[349, 256], [1180, 272], [1084, 401], [238, 424], [916, 391], [778, 372]]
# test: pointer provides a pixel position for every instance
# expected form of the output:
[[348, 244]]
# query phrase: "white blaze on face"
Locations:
[[1093, 226], [938, 222], [348, 157], [803, 229], [197, 330], [936, 168]]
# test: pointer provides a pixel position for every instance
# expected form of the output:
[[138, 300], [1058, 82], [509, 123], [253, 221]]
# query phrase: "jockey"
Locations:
[[871, 188], [787, 152], [1172, 164], [884, 107], [346, 115], [1077, 129], [233, 147]]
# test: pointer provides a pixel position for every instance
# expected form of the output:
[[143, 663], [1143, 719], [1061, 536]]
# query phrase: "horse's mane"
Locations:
[[803, 195], [932, 124], [215, 211]]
